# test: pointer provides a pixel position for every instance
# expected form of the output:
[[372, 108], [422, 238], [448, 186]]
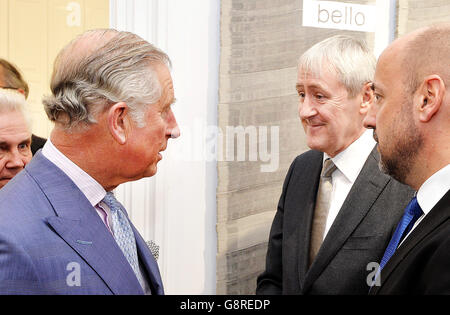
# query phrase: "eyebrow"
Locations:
[[5, 143], [379, 88], [313, 86]]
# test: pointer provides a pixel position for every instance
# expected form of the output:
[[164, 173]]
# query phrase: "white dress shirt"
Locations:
[[431, 191], [349, 164]]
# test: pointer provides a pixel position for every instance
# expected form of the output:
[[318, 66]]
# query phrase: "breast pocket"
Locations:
[[364, 242]]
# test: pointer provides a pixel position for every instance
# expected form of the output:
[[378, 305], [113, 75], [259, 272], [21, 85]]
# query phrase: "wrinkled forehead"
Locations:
[[13, 122]]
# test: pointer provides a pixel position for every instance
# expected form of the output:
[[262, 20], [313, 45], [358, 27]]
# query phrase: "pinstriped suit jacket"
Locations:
[[53, 242]]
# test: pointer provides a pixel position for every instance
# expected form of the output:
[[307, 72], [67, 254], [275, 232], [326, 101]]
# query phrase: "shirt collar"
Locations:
[[93, 191], [352, 159], [433, 189]]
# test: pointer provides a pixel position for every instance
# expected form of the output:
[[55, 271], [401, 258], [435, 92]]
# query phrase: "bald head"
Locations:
[[71, 58], [411, 112], [425, 52]]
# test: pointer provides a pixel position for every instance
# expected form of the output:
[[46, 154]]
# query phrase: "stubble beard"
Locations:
[[400, 162]]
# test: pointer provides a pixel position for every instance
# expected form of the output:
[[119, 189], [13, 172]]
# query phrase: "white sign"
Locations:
[[339, 15]]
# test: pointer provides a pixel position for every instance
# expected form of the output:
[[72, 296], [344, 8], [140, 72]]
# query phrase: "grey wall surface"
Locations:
[[413, 14]]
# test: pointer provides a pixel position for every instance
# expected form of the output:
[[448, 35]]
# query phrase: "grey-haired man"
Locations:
[[61, 229], [337, 209]]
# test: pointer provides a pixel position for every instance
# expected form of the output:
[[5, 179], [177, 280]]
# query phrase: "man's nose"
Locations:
[[370, 121], [173, 130], [306, 108], [15, 160]]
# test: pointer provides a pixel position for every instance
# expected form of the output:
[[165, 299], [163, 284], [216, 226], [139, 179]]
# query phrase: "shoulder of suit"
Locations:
[[305, 163], [308, 156]]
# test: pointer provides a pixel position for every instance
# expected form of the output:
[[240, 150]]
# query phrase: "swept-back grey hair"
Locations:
[[348, 57], [98, 69], [10, 101]]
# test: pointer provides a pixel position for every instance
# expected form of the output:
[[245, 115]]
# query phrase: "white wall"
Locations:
[[386, 25], [177, 207]]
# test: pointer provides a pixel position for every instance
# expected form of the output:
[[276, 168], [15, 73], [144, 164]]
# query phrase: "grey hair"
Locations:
[[348, 57], [11, 100], [98, 69]]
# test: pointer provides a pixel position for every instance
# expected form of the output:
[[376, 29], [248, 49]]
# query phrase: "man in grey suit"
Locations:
[[337, 211]]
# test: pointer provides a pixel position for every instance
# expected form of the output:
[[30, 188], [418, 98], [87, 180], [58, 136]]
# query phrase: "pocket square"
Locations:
[[154, 249]]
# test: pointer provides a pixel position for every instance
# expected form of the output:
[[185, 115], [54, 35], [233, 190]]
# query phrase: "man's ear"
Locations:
[[118, 122], [367, 98], [429, 97]]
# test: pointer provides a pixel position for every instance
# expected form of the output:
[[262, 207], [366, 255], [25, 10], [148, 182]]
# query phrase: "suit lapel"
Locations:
[[78, 224], [435, 217], [305, 198], [100, 252], [150, 264], [363, 194]]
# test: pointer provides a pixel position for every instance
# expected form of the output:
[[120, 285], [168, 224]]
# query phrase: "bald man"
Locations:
[[411, 122]]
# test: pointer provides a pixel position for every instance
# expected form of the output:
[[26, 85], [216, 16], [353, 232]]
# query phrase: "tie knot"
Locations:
[[413, 209], [328, 168], [111, 202]]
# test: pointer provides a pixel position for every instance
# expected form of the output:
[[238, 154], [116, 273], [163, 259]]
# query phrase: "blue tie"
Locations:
[[123, 234], [412, 213]]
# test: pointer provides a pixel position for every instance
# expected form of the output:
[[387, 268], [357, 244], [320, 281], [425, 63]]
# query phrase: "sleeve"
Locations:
[[17, 271], [436, 276], [270, 281]]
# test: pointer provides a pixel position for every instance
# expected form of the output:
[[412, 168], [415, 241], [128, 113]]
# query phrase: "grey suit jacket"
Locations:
[[358, 236]]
